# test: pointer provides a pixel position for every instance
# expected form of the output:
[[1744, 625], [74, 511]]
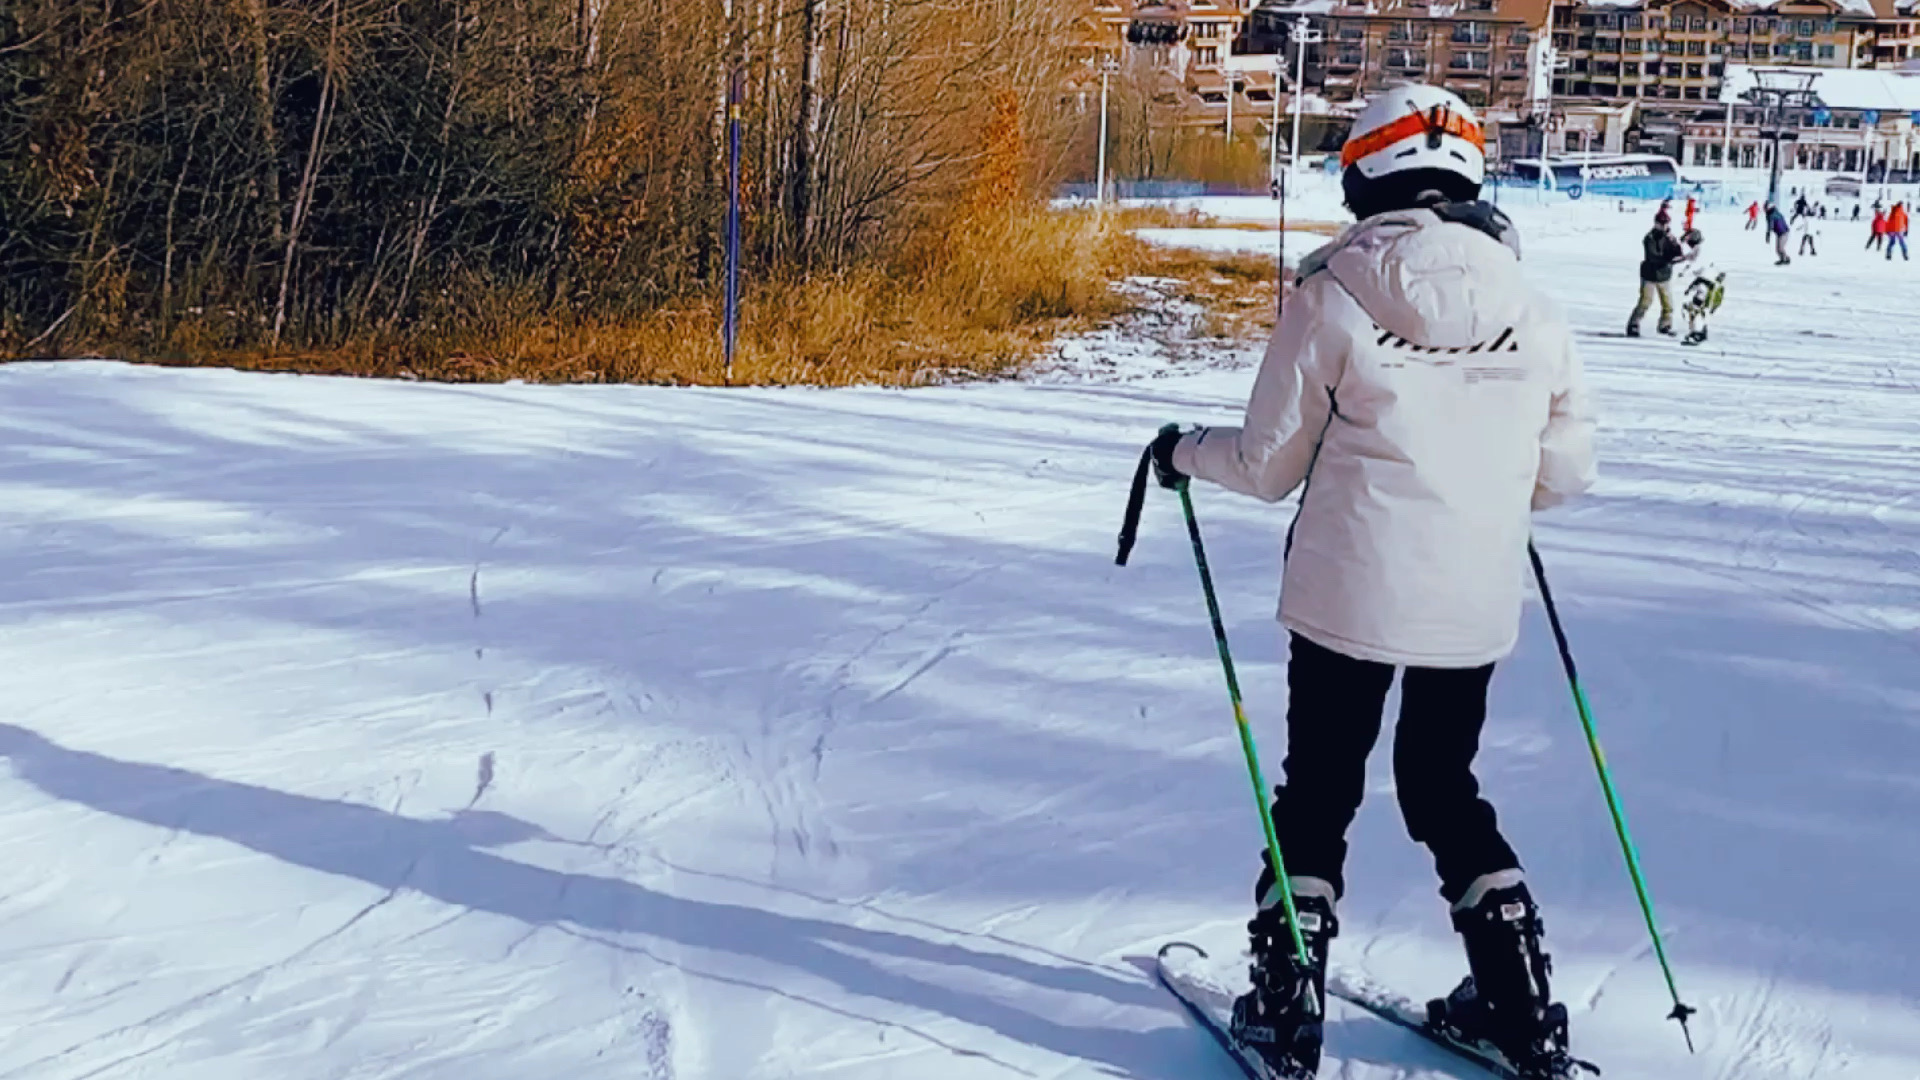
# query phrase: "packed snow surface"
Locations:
[[377, 730]]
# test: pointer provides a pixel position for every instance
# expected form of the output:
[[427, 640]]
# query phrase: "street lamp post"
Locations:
[[1107, 67], [1229, 104], [1304, 35], [1273, 134]]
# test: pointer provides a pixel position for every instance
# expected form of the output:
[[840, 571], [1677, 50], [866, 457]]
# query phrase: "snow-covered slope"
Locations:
[[380, 730]]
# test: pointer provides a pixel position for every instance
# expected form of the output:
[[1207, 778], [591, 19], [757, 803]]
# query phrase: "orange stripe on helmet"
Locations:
[[1439, 120]]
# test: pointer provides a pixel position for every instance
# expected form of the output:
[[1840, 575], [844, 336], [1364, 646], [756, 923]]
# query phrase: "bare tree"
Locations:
[[271, 174]]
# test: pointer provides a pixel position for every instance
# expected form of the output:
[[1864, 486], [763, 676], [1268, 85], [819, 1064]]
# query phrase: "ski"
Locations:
[[1180, 969], [1355, 988], [1210, 1005]]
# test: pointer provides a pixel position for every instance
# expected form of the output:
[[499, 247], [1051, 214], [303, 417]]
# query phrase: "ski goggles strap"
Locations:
[[1436, 122]]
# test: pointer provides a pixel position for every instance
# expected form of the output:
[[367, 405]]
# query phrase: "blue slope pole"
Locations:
[[730, 330]]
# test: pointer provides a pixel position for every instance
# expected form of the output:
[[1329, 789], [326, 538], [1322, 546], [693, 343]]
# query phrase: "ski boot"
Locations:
[[1633, 330], [1280, 1020], [1667, 330], [1506, 1006], [1695, 338]]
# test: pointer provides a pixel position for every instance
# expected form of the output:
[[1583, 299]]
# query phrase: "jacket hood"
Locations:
[[1437, 279]]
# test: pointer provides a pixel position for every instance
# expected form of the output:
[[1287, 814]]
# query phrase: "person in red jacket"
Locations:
[[1879, 228], [1897, 231], [1753, 215]]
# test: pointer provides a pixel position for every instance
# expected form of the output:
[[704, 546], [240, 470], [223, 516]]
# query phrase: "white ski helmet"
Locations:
[[1416, 126]]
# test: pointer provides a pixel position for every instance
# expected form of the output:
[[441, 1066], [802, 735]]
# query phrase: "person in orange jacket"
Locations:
[[1753, 215], [1879, 228], [1897, 231]]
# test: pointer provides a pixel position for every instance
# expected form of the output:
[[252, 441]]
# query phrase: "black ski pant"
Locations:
[[1333, 719]]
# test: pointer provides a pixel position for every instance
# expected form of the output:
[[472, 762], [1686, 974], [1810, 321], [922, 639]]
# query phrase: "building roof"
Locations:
[[1865, 9], [1530, 12], [1838, 88]]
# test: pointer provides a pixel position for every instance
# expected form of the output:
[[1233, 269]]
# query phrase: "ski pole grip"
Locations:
[[1136, 499]]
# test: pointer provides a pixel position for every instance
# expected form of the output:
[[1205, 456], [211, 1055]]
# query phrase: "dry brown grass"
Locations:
[[1235, 291], [1323, 228], [979, 301]]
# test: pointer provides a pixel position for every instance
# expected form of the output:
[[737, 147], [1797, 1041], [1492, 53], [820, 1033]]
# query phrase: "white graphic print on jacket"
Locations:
[[1430, 399]]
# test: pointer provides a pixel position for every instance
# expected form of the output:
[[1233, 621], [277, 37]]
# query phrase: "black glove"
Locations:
[[1162, 449]]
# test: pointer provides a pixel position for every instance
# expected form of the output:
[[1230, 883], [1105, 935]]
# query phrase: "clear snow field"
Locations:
[[363, 730]]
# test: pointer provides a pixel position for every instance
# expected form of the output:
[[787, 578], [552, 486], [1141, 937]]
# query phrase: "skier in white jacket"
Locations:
[[1427, 398]]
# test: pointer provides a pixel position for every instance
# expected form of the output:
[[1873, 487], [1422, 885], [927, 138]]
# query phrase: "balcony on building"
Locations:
[[1412, 33], [1471, 33], [1346, 60], [1406, 61]]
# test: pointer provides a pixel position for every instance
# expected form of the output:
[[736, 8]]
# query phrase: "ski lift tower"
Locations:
[[1545, 63], [1780, 92]]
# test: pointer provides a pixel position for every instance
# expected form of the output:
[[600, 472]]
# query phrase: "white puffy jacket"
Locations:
[[1430, 398]]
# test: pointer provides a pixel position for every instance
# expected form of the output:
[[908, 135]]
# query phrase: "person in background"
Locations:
[[1856, 211], [1778, 228], [1897, 231], [1753, 214], [1660, 252], [1808, 235], [1879, 228]]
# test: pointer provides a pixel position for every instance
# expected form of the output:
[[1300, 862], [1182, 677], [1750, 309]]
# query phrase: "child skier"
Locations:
[[1705, 293], [1460, 410]]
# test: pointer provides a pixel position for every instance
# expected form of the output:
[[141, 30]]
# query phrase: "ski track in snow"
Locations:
[[397, 730]]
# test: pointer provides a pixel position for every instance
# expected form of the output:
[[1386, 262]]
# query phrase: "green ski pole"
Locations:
[[1680, 1012], [1246, 730], [1129, 530]]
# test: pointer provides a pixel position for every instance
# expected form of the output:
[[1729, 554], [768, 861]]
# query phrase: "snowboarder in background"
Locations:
[[1705, 293], [1878, 237], [1807, 236], [1778, 228], [1856, 211], [1897, 231], [1753, 214], [1461, 409], [1660, 252]]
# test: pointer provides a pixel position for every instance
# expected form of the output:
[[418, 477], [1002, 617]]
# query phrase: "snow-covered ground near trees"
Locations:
[[376, 730]]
